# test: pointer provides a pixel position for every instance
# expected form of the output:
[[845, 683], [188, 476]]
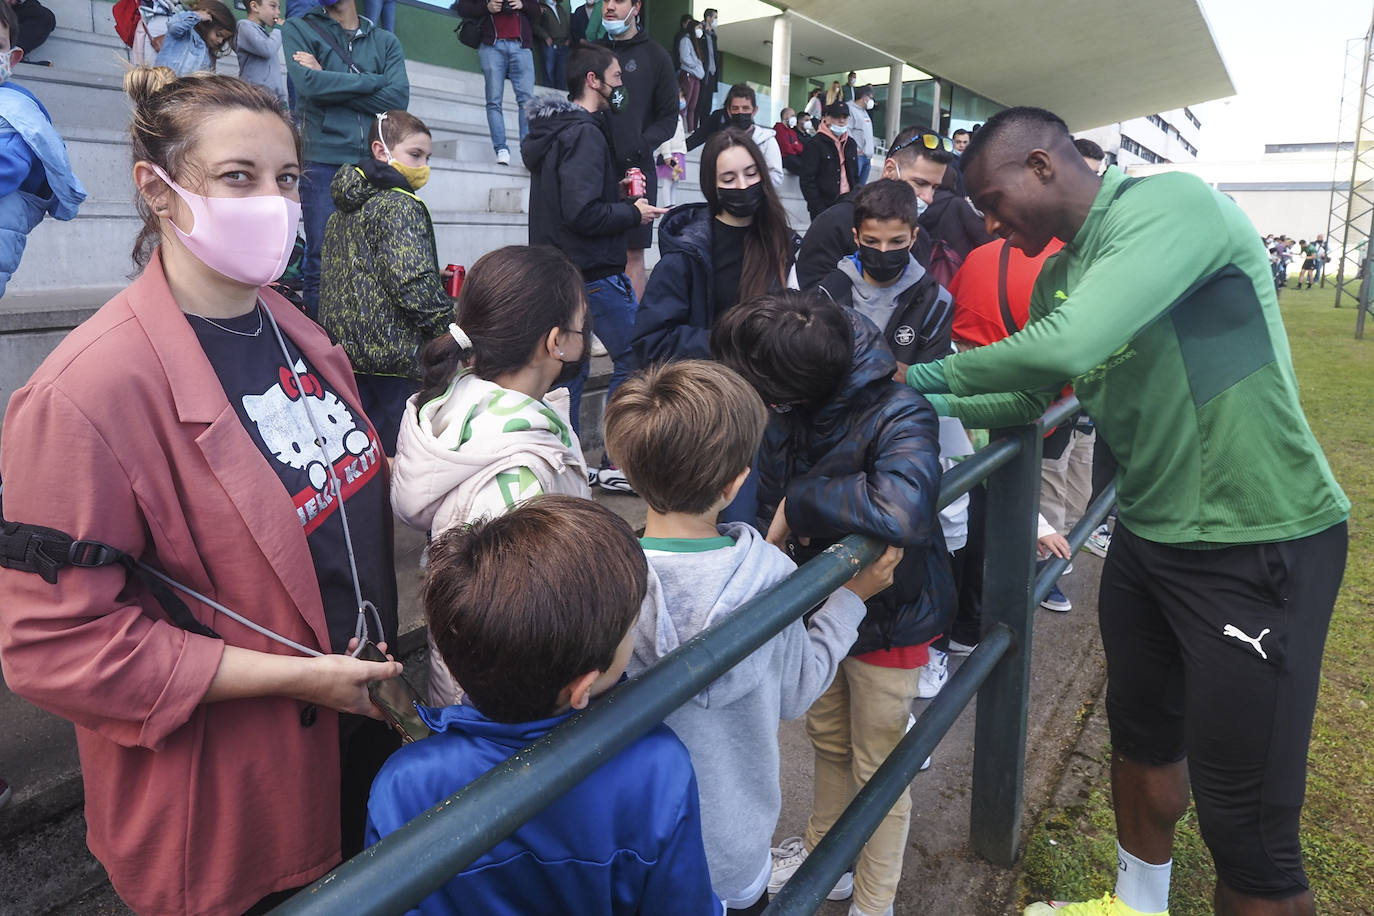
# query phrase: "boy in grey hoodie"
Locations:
[[685, 435]]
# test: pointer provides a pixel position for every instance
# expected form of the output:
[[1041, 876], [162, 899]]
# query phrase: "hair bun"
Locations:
[[142, 83]]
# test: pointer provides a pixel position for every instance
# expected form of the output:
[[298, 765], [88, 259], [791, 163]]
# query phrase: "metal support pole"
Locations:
[[894, 105], [999, 749], [782, 66], [935, 106]]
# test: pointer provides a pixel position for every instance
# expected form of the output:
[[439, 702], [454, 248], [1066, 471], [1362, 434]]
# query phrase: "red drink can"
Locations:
[[454, 284], [637, 186]]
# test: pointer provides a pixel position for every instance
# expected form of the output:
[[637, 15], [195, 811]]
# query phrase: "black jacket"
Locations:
[[477, 9], [831, 238], [867, 462], [820, 171], [919, 330], [678, 309], [951, 220], [713, 123], [650, 114], [575, 200]]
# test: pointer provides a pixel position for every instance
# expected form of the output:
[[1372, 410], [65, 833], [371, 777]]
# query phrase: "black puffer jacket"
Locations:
[[950, 219], [381, 298], [575, 202], [868, 462]]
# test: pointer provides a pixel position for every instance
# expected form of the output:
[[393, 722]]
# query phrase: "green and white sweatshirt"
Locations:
[[1161, 311]]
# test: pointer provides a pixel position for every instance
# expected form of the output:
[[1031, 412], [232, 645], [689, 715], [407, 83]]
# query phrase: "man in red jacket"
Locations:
[[789, 141]]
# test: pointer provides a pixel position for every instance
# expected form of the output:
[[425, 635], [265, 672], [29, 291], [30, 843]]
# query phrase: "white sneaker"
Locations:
[[503, 157], [933, 675], [789, 857], [613, 479], [855, 911], [1099, 542], [910, 724], [599, 348]]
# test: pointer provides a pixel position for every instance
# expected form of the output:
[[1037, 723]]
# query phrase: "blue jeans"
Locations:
[[611, 305], [316, 205], [505, 59], [864, 164], [382, 13], [556, 66]]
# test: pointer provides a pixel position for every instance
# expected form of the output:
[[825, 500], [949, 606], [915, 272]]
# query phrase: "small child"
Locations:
[[534, 611], [196, 38], [259, 47], [885, 283], [36, 176], [849, 451], [382, 295], [685, 434]]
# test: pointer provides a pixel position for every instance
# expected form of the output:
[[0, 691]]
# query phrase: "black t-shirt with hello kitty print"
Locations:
[[251, 368]]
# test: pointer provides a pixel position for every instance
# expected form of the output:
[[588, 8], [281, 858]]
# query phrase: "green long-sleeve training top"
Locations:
[[1162, 313]]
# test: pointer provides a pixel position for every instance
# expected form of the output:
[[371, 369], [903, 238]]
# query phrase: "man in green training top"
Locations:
[[1231, 538]]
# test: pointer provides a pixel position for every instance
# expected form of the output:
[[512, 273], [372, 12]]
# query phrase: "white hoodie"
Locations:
[[474, 452]]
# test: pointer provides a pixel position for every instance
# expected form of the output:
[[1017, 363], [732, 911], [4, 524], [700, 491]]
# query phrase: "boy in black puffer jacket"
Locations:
[[848, 452]]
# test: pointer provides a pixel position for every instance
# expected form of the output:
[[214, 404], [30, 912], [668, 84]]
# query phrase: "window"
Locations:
[[1159, 122], [1144, 152], [1188, 113]]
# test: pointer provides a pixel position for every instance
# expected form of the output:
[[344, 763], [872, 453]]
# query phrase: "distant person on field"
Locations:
[[626, 839], [36, 178], [507, 29], [686, 434], [197, 38], [259, 47]]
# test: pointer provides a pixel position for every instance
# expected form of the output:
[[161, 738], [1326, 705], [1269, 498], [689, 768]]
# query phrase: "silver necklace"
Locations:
[[231, 330]]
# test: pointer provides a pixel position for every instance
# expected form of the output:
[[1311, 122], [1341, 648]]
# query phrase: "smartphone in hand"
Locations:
[[396, 698]]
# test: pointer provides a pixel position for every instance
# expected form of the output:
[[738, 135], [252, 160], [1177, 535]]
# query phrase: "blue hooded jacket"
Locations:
[[625, 840], [867, 461]]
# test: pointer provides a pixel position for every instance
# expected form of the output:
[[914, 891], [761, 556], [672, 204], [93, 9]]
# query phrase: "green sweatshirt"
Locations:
[[1162, 313]]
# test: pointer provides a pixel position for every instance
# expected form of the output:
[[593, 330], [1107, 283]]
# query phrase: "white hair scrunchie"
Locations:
[[463, 340]]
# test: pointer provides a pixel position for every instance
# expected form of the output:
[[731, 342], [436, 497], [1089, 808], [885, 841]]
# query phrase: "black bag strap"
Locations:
[[45, 551], [329, 40], [1003, 263]]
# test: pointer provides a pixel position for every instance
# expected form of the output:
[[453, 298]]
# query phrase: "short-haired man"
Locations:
[[960, 139], [861, 129], [642, 116], [1091, 153], [577, 204], [741, 105], [790, 143], [847, 93], [830, 163], [915, 156], [1220, 583], [711, 60]]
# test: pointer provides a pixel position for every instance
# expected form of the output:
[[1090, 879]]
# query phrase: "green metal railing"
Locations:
[[406, 866]]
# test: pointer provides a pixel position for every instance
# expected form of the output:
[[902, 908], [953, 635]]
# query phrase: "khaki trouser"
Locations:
[[1066, 482], [853, 726]]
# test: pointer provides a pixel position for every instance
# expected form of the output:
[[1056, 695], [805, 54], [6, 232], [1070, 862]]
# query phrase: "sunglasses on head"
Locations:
[[928, 140]]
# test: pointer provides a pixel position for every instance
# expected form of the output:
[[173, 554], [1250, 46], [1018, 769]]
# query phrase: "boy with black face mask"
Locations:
[[885, 283]]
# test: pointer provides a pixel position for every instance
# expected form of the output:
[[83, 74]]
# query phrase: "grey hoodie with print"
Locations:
[[731, 727]]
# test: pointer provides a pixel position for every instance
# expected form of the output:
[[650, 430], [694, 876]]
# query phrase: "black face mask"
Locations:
[[744, 122], [884, 265], [572, 368], [618, 99], [741, 201]]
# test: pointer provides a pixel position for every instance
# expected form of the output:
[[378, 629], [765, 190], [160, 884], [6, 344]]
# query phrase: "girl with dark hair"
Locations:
[[690, 71], [732, 248], [202, 425], [485, 433], [197, 38]]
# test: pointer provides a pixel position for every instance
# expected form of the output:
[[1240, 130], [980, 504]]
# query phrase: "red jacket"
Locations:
[[977, 314], [789, 143], [124, 435]]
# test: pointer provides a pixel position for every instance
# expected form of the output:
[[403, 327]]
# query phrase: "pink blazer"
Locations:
[[124, 435]]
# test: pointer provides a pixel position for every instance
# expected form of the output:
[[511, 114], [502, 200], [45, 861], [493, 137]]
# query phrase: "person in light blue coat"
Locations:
[[197, 38], [36, 176]]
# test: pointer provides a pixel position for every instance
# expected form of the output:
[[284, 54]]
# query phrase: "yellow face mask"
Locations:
[[415, 176]]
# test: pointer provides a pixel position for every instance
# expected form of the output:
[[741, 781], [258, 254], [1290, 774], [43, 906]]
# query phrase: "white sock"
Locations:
[[1140, 885]]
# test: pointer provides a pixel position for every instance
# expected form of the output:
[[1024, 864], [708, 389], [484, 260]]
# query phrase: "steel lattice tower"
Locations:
[[1352, 206]]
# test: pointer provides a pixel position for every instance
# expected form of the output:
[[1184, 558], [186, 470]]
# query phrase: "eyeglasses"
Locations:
[[928, 140]]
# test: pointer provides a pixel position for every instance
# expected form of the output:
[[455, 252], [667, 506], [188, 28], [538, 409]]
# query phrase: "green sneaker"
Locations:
[[1108, 905]]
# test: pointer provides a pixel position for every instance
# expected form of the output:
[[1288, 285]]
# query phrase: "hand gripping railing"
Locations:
[[406, 866]]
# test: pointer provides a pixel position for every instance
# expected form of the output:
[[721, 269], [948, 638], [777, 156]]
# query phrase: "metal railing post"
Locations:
[[999, 750]]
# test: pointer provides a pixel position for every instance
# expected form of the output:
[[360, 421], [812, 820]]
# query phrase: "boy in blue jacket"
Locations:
[[532, 612], [36, 176], [849, 451]]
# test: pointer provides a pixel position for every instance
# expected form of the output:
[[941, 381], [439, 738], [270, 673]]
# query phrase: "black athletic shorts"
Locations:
[[1215, 655]]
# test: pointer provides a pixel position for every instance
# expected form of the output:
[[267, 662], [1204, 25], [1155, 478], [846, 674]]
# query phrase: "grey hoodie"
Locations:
[[731, 727], [878, 303]]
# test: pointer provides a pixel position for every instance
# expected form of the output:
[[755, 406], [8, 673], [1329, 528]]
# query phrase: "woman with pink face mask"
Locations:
[[203, 426]]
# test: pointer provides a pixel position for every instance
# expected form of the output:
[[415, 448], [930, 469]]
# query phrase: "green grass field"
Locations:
[[1072, 851]]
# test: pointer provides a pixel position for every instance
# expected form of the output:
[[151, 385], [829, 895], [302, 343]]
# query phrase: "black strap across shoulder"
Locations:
[[329, 40], [1003, 262], [46, 551]]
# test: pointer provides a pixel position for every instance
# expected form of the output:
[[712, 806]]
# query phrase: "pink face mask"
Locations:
[[247, 239]]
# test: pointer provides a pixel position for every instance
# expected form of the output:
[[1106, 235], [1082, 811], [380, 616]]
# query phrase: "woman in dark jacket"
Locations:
[[731, 249], [381, 293]]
